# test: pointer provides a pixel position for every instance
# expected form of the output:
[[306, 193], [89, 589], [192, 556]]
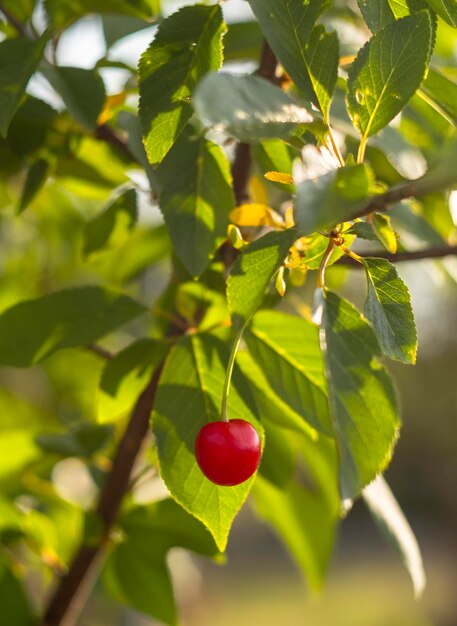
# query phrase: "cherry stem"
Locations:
[[324, 262], [229, 372]]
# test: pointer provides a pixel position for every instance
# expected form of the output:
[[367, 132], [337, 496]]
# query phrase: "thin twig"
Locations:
[[410, 189], [107, 134], [100, 351], [21, 29], [428, 253]]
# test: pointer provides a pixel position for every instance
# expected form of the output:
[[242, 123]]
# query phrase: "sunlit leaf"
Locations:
[[188, 44]]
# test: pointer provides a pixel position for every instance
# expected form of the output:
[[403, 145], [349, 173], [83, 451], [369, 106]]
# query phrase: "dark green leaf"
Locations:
[[63, 12], [32, 330], [253, 271], [387, 72], [248, 107], [274, 155], [189, 395], [394, 526], [18, 61], [188, 44], [82, 91], [287, 348], [14, 602], [332, 198], [126, 376], [141, 558], [388, 308], [362, 397], [37, 175], [30, 126], [113, 224], [447, 9], [196, 204]]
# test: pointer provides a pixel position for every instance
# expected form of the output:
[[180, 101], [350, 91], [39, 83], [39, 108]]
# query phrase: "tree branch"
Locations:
[[69, 597], [104, 132], [411, 189], [429, 253], [100, 351], [21, 29], [242, 164]]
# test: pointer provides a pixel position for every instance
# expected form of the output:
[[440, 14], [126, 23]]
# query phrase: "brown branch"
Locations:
[[100, 351], [107, 134], [242, 164], [411, 189], [428, 253], [68, 598]]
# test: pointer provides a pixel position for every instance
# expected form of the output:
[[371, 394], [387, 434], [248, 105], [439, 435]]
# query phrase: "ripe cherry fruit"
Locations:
[[228, 453]]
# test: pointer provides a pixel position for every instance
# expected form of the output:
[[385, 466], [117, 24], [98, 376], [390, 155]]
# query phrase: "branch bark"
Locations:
[[69, 597], [411, 189], [21, 29], [429, 253]]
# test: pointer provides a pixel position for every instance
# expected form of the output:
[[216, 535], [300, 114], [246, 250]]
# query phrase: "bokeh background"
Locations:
[[367, 585]]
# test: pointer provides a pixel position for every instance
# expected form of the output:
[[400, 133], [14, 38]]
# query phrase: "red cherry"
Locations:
[[228, 453]]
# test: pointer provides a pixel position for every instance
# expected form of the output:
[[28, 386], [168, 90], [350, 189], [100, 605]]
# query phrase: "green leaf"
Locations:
[[63, 12], [253, 271], [113, 224], [82, 91], [21, 9], [310, 58], [394, 526], [376, 13], [188, 44], [332, 198], [126, 376], [243, 41], [447, 9], [189, 395], [196, 204], [18, 61], [150, 532], [248, 107], [287, 348], [388, 308], [301, 518], [37, 175], [384, 231], [117, 27], [274, 155], [83, 439], [380, 13], [15, 605], [387, 72], [322, 58], [363, 401], [300, 500], [32, 330], [443, 92]]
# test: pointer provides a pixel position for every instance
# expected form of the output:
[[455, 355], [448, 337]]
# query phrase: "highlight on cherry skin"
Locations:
[[228, 452]]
